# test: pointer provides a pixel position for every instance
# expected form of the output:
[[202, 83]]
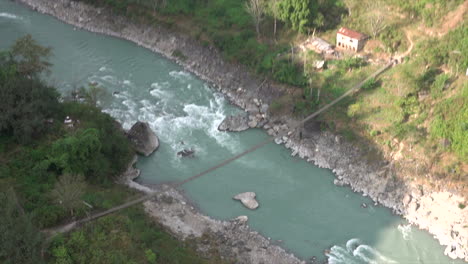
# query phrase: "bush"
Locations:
[[438, 85], [451, 122], [20, 241]]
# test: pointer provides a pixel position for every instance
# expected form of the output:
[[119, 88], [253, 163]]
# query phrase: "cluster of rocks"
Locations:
[[378, 181], [255, 116]]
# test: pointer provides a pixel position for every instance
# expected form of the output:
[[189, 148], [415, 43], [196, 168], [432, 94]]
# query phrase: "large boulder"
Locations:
[[235, 123], [247, 199], [143, 139]]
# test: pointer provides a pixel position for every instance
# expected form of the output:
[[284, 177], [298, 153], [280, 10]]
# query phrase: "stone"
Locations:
[[278, 141], [235, 123], [270, 132], [256, 102], [143, 139], [407, 199], [264, 108], [252, 123], [247, 199], [242, 219], [186, 153]]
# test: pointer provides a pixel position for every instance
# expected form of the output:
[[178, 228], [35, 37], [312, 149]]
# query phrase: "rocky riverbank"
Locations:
[[233, 240], [436, 211]]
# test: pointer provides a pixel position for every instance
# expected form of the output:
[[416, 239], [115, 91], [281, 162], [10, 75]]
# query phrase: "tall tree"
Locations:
[[68, 191], [20, 241], [299, 13], [376, 17], [30, 56], [256, 9], [274, 10]]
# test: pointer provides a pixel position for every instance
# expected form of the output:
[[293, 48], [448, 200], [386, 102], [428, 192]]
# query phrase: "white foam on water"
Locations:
[[127, 82], [405, 231], [160, 90], [110, 79], [102, 69], [357, 253], [10, 16], [180, 75], [131, 106]]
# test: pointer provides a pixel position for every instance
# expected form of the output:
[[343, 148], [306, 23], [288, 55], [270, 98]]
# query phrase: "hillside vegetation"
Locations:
[[52, 173]]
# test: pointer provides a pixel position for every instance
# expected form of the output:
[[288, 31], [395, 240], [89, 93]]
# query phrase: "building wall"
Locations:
[[346, 42]]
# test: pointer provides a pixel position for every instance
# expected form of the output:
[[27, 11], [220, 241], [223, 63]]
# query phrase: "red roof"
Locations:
[[350, 33]]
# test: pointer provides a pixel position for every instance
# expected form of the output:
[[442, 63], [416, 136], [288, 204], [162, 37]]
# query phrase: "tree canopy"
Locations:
[[299, 13]]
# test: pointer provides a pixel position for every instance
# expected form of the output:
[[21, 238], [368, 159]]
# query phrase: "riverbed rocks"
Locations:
[[233, 239], [235, 123], [143, 139], [247, 199], [380, 182]]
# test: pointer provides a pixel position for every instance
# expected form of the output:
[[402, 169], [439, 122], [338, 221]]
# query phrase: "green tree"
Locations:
[[26, 105], [79, 154], [256, 9], [30, 56], [68, 191], [26, 101], [20, 241], [299, 13]]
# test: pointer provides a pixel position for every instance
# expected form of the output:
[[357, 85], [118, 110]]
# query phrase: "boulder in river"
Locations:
[[143, 139], [234, 123], [247, 199], [186, 153]]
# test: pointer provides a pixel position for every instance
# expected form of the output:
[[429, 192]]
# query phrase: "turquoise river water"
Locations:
[[299, 205]]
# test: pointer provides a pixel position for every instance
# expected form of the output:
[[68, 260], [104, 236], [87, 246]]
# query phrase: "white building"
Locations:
[[349, 39]]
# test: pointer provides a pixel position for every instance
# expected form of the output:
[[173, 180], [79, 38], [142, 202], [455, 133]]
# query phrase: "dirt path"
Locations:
[[450, 21], [411, 46]]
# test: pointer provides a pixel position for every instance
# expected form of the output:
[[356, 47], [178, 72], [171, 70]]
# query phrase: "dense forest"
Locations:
[[52, 172]]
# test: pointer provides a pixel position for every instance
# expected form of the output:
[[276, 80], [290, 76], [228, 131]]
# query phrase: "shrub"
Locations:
[[438, 85]]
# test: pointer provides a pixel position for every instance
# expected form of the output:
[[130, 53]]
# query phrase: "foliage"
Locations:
[[30, 57], [30, 112], [68, 191], [299, 13], [126, 237], [26, 102], [349, 63], [393, 38], [439, 84], [78, 153], [430, 10], [451, 122], [370, 84], [448, 50], [20, 241]]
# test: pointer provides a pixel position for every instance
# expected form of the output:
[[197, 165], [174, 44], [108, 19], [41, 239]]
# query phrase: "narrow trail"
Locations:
[[70, 226], [410, 39]]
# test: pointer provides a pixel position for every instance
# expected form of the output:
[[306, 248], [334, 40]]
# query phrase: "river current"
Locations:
[[300, 208]]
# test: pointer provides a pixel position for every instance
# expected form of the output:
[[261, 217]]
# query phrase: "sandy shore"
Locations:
[[435, 211]]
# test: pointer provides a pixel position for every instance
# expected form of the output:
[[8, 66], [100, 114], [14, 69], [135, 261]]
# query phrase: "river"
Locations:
[[300, 208]]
